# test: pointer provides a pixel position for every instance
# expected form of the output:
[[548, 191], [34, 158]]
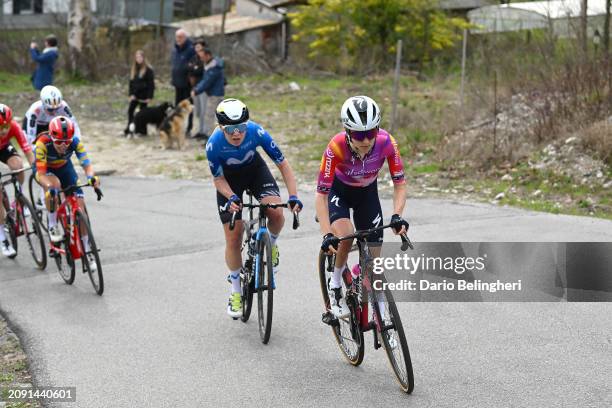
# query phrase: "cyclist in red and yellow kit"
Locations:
[[54, 170]]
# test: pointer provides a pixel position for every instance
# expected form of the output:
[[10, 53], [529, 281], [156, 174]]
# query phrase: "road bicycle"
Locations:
[[257, 274], [71, 217], [369, 310], [21, 219]]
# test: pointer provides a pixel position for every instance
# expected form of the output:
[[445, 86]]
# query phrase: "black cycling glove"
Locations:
[[397, 222], [329, 239]]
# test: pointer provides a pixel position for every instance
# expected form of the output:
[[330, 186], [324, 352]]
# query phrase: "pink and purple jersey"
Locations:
[[339, 161]]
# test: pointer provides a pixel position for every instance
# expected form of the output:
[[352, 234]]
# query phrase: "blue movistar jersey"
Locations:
[[221, 154]]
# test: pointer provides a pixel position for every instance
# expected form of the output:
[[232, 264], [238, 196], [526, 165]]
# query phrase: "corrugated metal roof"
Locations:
[[234, 23], [278, 3], [464, 4]]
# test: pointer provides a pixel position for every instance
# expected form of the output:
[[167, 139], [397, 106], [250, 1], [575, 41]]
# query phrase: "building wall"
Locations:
[[32, 21], [265, 39], [147, 9], [48, 6]]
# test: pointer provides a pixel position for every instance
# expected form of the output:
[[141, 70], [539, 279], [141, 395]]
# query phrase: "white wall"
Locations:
[[62, 6], [8, 7]]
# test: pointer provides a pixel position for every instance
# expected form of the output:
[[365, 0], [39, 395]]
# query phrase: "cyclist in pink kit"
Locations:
[[348, 180]]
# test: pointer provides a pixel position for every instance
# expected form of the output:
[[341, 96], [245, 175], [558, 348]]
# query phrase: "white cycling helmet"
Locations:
[[231, 112], [360, 113], [51, 97]]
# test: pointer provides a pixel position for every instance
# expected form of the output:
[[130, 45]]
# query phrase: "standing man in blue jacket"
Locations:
[[213, 84], [45, 60], [182, 53]]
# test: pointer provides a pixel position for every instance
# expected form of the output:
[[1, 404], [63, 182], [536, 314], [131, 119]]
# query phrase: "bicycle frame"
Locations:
[[366, 261], [66, 214], [7, 204]]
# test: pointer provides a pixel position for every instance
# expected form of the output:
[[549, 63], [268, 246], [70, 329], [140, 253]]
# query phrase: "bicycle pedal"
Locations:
[[329, 319]]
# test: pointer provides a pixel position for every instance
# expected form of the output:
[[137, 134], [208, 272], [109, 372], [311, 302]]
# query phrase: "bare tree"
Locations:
[[80, 40], [606, 33], [583, 26]]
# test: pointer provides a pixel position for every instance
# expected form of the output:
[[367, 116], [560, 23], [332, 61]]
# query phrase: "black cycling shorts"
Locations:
[[8, 152], [365, 203], [255, 177]]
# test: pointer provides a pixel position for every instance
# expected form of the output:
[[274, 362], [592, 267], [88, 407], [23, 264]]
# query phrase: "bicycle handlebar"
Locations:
[[14, 172], [72, 189], [296, 217], [406, 243]]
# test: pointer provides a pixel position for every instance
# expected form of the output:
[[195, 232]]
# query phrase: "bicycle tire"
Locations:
[[31, 231], [352, 349], [247, 282], [96, 278], [68, 271], [265, 290], [34, 190], [398, 356]]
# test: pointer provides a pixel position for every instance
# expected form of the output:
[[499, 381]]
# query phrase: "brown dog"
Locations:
[[173, 127]]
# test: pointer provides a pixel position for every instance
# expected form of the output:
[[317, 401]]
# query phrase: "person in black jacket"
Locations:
[[194, 74], [182, 53], [142, 85]]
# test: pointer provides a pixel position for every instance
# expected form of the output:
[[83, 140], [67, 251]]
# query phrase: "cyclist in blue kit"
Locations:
[[237, 166]]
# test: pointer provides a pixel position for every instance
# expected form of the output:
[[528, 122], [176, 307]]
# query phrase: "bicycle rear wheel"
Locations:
[[346, 330], [393, 338], [265, 290], [90, 256], [30, 226], [36, 194]]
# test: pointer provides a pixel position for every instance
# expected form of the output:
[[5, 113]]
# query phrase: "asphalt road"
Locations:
[[159, 337]]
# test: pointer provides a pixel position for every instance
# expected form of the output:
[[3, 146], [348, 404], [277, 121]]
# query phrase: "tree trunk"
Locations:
[[80, 40], [583, 26], [606, 33]]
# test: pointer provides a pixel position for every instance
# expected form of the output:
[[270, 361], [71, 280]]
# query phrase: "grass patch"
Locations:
[[426, 168], [15, 83]]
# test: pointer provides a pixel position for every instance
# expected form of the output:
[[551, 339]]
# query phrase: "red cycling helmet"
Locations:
[[61, 129], [6, 114]]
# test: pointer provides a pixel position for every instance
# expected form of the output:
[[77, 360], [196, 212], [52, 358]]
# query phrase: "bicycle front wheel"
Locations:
[[30, 226], [247, 282], [346, 330], [265, 290], [65, 269], [391, 331], [90, 258]]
